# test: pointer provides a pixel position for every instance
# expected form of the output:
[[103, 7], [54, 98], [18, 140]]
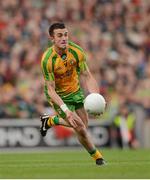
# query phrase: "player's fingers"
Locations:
[[75, 124], [77, 118], [72, 122]]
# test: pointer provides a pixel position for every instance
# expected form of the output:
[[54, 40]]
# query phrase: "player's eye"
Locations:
[[59, 35]]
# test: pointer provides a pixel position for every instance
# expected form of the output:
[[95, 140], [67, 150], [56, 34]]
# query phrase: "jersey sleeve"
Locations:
[[46, 65], [80, 56], [82, 62]]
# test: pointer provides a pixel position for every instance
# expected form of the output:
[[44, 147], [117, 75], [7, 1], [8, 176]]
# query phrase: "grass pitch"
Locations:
[[75, 164]]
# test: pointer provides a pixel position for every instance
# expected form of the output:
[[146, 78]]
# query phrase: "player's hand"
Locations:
[[70, 118]]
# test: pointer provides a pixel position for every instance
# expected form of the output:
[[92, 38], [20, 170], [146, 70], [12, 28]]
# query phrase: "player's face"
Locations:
[[60, 38]]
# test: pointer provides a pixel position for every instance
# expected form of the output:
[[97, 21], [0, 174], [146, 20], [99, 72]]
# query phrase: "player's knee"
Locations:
[[85, 121], [86, 124], [82, 131]]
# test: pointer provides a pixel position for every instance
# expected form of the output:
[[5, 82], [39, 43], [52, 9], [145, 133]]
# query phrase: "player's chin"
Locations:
[[63, 46]]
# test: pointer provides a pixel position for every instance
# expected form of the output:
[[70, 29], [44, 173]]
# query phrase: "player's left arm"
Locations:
[[87, 77]]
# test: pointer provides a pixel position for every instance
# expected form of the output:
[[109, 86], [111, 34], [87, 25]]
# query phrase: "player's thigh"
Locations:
[[83, 115]]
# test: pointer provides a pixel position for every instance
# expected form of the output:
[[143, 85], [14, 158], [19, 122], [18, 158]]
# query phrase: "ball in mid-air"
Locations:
[[95, 103]]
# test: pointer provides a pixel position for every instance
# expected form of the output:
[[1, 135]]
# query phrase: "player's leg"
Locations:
[[85, 139], [83, 115], [49, 121]]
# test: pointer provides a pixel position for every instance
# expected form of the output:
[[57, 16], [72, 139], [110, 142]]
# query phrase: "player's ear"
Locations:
[[52, 39]]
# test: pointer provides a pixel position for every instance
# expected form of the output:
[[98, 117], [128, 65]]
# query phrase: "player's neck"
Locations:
[[60, 51]]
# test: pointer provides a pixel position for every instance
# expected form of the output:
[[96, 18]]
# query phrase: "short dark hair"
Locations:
[[57, 25]]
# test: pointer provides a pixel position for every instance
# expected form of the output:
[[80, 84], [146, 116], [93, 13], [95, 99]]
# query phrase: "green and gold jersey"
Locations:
[[64, 70]]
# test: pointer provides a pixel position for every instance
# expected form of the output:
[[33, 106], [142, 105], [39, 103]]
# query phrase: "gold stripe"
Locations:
[[97, 155]]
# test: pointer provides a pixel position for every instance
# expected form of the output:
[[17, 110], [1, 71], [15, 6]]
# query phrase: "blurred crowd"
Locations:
[[115, 35]]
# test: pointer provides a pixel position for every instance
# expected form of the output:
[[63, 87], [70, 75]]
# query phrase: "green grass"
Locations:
[[75, 164]]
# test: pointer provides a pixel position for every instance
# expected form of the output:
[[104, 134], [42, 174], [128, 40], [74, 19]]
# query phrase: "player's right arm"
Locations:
[[57, 100], [48, 74], [47, 69]]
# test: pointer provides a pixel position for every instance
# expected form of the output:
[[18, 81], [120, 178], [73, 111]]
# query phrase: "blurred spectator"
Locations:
[[123, 132]]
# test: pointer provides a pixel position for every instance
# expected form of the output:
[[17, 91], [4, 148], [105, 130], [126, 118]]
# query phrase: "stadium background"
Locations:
[[116, 38]]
